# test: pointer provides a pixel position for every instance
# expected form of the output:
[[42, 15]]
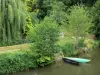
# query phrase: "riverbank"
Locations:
[[61, 68], [24, 60], [21, 61]]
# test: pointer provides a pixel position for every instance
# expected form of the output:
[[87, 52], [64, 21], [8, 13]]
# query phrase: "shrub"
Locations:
[[43, 61], [45, 36], [10, 63], [20, 61]]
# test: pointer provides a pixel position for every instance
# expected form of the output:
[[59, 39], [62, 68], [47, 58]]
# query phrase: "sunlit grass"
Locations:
[[14, 48]]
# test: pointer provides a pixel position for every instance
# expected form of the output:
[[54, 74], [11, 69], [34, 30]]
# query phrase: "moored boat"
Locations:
[[75, 60]]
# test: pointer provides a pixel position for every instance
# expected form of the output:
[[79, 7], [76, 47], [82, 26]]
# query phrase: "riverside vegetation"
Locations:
[[41, 23]]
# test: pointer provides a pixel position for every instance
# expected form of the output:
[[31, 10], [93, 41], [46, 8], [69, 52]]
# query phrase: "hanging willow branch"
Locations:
[[12, 20]]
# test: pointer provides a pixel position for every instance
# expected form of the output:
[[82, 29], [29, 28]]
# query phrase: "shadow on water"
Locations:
[[61, 68]]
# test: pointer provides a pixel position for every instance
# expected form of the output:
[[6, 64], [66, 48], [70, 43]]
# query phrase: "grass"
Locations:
[[66, 40], [67, 46], [14, 48]]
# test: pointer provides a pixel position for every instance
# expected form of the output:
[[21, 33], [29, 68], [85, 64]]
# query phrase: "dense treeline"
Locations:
[[46, 7], [16, 16]]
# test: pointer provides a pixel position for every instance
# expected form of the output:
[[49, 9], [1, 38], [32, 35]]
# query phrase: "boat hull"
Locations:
[[75, 60], [70, 61]]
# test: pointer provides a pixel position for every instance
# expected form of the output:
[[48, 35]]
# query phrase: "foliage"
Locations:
[[74, 2], [19, 61], [13, 16], [90, 43], [31, 5], [43, 61], [58, 12], [95, 29], [29, 24], [67, 46], [14, 62], [78, 22], [45, 35], [97, 44], [41, 7], [81, 43], [34, 18], [13, 21], [44, 7]]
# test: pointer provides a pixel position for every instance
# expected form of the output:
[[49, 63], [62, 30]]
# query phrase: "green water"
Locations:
[[61, 68]]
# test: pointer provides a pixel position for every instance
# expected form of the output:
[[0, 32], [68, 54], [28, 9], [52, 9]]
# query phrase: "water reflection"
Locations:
[[61, 68]]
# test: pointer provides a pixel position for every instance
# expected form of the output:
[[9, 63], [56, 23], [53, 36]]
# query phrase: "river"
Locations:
[[61, 68]]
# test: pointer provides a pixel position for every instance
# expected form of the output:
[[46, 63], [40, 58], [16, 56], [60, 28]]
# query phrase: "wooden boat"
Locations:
[[75, 60]]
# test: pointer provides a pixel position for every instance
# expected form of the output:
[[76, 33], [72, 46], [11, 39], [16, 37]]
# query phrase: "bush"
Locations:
[[45, 35], [43, 61], [20, 61]]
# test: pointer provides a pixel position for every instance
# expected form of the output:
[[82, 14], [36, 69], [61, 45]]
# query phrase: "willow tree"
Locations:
[[13, 20]]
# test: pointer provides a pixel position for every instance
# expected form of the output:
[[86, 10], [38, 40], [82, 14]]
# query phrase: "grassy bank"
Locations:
[[67, 46], [28, 59]]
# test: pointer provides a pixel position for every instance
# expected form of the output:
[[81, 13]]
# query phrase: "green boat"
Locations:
[[76, 60]]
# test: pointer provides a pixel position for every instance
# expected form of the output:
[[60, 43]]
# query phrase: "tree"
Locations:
[[41, 7], [74, 2], [31, 5], [45, 7], [78, 22], [13, 20], [58, 12], [95, 29], [45, 35]]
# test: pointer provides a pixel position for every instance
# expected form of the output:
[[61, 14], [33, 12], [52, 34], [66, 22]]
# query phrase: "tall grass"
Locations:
[[67, 46]]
